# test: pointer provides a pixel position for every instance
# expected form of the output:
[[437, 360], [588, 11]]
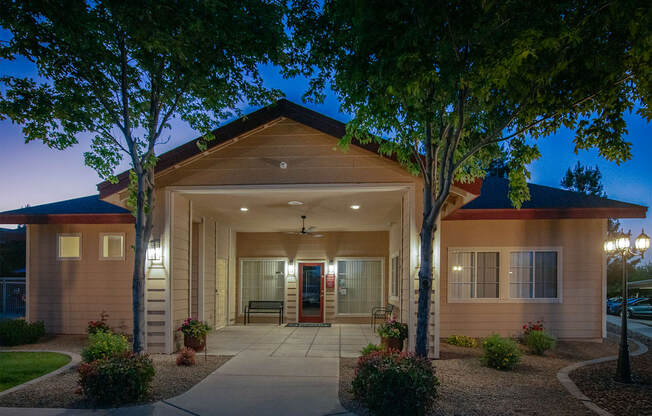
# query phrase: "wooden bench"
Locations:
[[264, 306]]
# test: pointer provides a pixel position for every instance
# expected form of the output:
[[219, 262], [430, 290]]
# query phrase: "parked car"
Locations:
[[612, 303], [617, 306], [641, 309]]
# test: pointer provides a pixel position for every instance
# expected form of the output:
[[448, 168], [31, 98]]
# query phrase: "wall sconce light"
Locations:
[[291, 267], [331, 266], [154, 250]]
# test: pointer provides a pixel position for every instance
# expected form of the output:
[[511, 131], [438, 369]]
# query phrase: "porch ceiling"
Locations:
[[325, 209]]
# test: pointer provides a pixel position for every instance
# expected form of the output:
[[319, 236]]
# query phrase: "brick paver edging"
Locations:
[[74, 360], [564, 379]]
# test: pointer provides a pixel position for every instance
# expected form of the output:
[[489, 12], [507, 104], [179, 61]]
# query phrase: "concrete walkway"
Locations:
[[641, 327], [276, 371]]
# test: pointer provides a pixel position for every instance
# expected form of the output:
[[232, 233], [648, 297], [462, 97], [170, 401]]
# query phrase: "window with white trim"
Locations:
[[69, 246], [359, 285], [474, 274], [112, 246], [261, 279], [533, 274], [395, 273]]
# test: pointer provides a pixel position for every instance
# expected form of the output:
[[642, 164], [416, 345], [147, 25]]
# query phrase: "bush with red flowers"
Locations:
[[393, 383], [99, 326], [529, 327], [186, 356]]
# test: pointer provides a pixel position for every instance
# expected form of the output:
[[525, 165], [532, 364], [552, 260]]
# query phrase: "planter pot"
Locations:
[[197, 344], [392, 343]]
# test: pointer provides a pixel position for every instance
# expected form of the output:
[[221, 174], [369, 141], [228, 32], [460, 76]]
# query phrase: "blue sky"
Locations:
[[34, 174]]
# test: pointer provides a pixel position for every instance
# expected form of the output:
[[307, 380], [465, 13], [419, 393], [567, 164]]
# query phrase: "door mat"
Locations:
[[307, 325]]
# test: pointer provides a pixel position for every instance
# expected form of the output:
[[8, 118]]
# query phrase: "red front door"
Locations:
[[311, 292]]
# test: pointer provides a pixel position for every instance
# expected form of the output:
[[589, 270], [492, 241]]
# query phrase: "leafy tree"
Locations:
[[584, 179], [443, 84], [122, 70]]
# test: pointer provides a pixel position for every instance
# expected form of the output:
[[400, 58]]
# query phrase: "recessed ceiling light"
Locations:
[[295, 203], [355, 206], [244, 209]]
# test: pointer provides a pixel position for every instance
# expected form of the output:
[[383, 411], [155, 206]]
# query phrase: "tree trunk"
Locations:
[[144, 207]]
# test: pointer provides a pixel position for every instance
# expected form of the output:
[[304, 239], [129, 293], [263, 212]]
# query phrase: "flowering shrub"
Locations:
[[529, 327], [122, 378], [99, 326], [462, 341], [19, 331], [371, 348], [186, 356], [194, 328], [538, 342], [393, 329], [500, 353], [102, 345], [393, 383]]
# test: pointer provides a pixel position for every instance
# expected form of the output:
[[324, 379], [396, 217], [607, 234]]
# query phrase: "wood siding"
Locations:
[[579, 315], [66, 294]]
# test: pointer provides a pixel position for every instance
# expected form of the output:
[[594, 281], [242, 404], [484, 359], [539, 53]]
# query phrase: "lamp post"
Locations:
[[621, 245]]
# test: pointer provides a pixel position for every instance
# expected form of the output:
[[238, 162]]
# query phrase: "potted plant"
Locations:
[[392, 333], [194, 333]]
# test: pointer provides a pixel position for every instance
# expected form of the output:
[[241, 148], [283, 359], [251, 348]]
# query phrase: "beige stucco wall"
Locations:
[[66, 294], [578, 315], [331, 246]]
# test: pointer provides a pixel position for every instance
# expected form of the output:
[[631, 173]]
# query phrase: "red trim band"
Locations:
[[546, 213], [67, 219]]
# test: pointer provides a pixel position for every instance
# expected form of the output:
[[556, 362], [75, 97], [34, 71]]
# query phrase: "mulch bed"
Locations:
[[598, 383], [61, 391], [468, 388]]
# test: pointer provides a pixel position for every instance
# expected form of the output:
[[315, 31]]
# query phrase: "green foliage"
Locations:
[[122, 378], [371, 348], [19, 332], [194, 328], [500, 353], [391, 383], [538, 342], [102, 345], [462, 341], [393, 329], [584, 179]]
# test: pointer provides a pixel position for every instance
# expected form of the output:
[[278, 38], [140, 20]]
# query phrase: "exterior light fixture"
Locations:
[[295, 203], [642, 242], [154, 250], [355, 207], [621, 245], [457, 268], [331, 266], [244, 209], [291, 267]]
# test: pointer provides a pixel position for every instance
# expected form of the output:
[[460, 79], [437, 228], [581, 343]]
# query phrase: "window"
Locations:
[[473, 275], [112, 246], [69, 246], [359, 285], [533, 274], [396, 277], [261, 279]]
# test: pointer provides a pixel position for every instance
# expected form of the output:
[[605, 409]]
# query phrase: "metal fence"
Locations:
[[12, 297]]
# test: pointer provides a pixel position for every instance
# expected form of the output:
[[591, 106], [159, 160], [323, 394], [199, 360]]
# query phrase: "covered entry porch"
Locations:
[[223, 247]]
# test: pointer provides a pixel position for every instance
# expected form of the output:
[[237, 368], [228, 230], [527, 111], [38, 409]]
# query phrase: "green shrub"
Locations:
[[392, 328], [393, 383], [462, 341], [500, 353], [122, 378], [538, 342], [370, 348], [103, 345], [19, 331]]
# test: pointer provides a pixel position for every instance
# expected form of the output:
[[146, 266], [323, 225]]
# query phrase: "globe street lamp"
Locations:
[[621, 245]]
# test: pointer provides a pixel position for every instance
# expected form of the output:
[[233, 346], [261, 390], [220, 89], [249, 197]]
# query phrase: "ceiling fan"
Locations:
[[304, 230]]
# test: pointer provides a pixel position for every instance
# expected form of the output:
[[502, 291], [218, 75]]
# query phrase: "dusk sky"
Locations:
[[34, 174]]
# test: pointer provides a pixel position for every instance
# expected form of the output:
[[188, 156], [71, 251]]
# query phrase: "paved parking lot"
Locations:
[[280, 341]]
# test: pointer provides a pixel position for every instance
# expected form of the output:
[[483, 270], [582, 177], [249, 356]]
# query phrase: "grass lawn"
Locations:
[[19, 367]]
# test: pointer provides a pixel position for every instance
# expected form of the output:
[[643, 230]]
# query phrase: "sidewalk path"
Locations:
[[641, 327]]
